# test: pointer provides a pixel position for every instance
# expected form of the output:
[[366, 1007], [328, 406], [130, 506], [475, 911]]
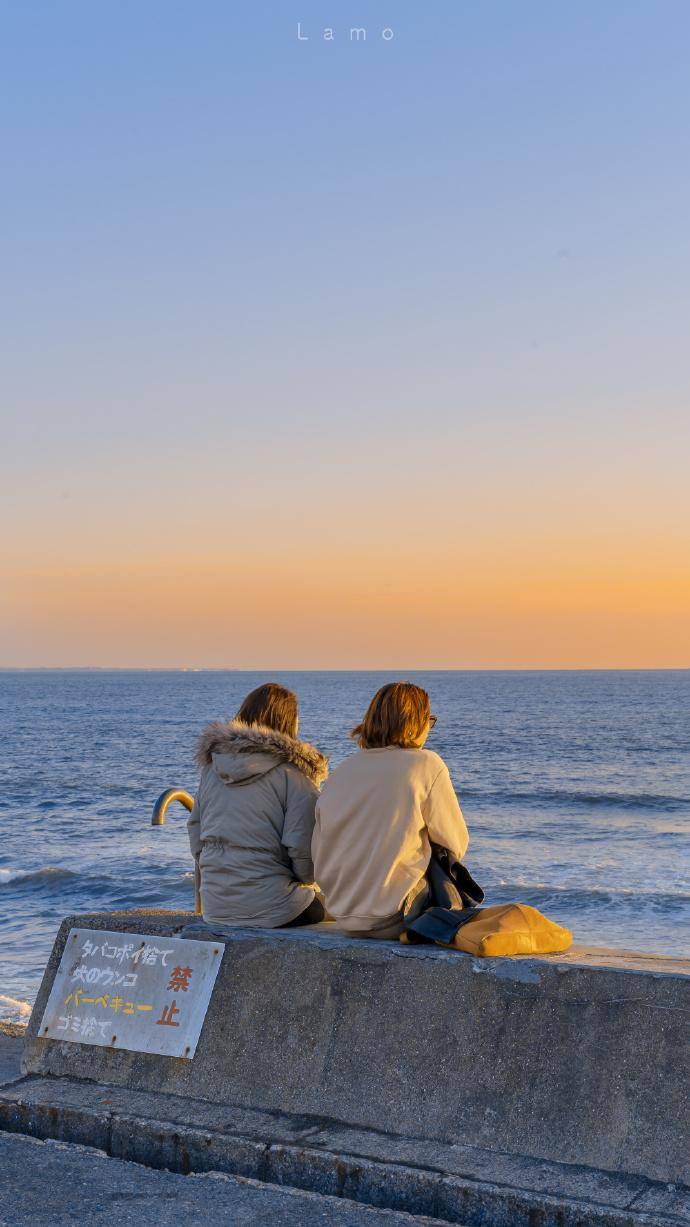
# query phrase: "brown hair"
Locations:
[[272, 706], [397, 716]]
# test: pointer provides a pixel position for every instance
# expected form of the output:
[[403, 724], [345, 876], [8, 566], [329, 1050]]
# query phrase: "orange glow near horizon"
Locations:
[[364, 610], [469, 558]]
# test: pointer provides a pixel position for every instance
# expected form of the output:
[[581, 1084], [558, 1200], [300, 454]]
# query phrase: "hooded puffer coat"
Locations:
[[252, 824]]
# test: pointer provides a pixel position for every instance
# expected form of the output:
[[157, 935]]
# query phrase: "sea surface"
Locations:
[[575, 787]]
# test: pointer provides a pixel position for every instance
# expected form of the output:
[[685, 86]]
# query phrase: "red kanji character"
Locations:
[[166, 1018], [179, 979]]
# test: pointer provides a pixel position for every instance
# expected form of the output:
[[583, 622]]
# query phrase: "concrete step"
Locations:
[[53, 1184], [454, 1183]]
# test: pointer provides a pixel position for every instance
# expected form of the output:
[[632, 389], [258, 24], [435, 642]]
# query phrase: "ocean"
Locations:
[[575, 787]]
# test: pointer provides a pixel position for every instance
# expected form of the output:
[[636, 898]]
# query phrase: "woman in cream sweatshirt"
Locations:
[[378, 813]]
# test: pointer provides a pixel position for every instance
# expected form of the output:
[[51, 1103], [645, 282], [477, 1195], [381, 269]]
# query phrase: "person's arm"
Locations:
[[443, 816], [194, 828], [316, 837], [298, 826]]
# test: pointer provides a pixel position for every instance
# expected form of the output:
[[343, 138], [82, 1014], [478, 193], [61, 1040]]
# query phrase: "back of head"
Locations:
[[398, 715], [271, 706]]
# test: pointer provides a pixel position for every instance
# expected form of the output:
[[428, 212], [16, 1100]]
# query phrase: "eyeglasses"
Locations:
[[432, 721]]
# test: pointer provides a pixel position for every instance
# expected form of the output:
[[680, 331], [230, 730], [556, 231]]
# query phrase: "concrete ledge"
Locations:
[[11, 1045], [457, 1183], [573, 1059], [57, 1184]]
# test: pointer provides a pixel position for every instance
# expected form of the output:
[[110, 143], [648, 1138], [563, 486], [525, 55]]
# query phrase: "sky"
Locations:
[[345, 353]]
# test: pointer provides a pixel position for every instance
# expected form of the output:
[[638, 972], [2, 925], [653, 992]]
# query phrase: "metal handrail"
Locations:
[[160, 810]]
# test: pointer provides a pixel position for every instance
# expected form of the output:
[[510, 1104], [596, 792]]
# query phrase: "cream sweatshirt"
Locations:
[[375, 817]]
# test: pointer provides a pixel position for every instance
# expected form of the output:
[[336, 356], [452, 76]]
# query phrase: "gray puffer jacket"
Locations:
[[252, 824]]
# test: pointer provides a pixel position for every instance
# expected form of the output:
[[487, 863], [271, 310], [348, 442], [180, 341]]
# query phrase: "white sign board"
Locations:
[[127, 990]]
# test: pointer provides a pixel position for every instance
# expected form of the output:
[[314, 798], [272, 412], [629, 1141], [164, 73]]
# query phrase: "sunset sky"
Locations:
[[332, 354]]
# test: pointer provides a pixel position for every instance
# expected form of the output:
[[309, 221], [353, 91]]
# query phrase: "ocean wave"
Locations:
[[50, 873], [578, 896], [12, 1009], [660, 802]]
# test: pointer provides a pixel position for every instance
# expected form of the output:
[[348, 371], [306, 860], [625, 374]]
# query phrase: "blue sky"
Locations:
[[286, 268]]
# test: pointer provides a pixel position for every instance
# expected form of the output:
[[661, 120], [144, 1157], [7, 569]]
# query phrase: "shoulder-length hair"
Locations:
[[272, 706], [397, 716]]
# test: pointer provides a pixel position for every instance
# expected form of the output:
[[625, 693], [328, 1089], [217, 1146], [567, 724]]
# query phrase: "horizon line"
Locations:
[[344, 669]]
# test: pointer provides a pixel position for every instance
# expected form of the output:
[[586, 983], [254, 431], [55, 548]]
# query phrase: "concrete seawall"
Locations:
[[578, 1061]]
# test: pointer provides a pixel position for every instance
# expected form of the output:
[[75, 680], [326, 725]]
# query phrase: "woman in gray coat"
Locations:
[[253, 817]]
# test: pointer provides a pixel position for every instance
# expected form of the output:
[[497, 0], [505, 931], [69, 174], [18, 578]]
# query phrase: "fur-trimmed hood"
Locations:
[[240, 752]]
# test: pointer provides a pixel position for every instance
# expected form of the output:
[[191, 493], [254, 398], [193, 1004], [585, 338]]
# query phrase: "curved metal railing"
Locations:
[[160, 810]]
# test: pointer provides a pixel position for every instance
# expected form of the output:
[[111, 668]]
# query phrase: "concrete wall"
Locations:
[[578, 1058], [11, 1044]]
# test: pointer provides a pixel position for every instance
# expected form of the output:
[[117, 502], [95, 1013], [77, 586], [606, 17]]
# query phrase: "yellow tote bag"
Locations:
[[511, 928]]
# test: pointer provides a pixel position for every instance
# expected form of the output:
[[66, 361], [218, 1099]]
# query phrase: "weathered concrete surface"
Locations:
[[11, 1044], [53, 1184], [456, 1182], [578, 1058]]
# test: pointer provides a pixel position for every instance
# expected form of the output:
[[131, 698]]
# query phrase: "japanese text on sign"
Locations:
[[125, 990]]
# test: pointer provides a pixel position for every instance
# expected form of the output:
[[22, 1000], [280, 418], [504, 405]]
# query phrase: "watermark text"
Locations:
[[351, 34]]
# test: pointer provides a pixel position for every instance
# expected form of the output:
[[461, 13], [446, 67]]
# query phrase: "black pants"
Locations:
[[310, 916]]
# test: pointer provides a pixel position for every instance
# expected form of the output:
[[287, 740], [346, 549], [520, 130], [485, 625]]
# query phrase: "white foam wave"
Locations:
[[13, 1006], [34, 875], [11, 875]]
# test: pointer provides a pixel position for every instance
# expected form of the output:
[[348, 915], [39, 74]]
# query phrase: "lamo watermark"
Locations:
[[353, 34]]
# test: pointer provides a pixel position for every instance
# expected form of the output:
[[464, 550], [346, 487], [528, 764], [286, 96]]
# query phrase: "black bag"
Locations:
[[452, 884], [448, 888]]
